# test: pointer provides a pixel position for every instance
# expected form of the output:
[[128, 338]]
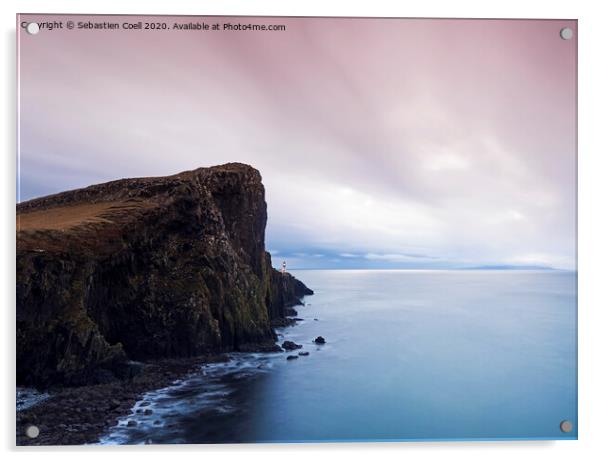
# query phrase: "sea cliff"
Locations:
[[147, 268]]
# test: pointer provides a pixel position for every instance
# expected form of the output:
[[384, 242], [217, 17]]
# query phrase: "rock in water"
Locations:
[[320, 340], [290, 357], [146, 268], [288, 345], [304, 353]]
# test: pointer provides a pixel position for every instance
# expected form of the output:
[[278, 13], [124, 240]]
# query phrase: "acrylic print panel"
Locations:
[[270, 229]]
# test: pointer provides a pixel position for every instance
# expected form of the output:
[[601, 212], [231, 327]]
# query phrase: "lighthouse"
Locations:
[[283, 268]]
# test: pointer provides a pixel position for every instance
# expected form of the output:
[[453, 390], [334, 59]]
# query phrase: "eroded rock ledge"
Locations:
[[147, 268]]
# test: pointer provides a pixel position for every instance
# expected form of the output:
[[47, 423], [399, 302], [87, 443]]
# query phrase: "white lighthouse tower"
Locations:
[[283, 268]]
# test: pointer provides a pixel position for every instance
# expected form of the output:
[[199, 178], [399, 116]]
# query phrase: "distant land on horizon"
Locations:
[[481, 267], [509, 267]]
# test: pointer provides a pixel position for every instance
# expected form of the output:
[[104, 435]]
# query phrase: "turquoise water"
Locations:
[[409, 355]]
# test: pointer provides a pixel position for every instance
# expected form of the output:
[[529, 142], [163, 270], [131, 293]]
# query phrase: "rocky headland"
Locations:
[[145, 269]]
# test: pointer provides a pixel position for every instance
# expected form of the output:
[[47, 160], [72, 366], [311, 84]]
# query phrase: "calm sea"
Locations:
[[409, 355]]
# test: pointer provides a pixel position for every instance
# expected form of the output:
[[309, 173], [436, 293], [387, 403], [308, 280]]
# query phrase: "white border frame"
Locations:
[[590, 217]]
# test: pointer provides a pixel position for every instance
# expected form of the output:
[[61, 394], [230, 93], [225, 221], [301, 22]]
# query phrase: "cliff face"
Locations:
[[145, 268]]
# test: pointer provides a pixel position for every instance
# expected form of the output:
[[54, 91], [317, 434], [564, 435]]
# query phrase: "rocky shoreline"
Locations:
[[81, 415]]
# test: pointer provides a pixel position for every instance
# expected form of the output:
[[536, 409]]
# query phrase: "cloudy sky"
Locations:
[[382, 143]]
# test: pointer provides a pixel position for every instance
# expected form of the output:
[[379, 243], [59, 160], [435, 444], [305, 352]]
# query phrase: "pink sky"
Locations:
[[396, 142]]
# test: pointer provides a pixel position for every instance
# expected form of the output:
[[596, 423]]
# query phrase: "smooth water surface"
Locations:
[[409, 355]]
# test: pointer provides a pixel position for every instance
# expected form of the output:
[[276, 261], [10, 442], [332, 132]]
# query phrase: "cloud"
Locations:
[[445, 162], [373, 146]]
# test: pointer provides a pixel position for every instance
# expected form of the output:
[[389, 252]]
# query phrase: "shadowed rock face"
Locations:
[[145, 268]]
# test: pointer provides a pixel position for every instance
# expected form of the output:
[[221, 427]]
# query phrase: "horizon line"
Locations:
[[483, 269]]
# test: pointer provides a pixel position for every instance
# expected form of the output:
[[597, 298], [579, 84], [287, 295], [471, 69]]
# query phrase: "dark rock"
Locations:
[[282, 322], [102, 376], [290, 311], [148, 412], [319, 340], [304, 353], [145, 403], [290, 357], [261, 348], [285, 291], [288, 345], [128, 370], [132, 423], [152, 268]]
